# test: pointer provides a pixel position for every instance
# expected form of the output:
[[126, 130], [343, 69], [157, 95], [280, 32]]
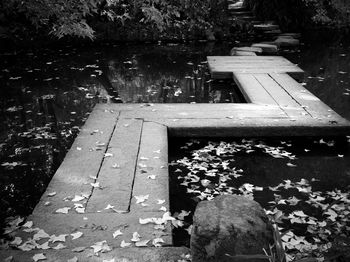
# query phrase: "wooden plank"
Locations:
[[310, 102], [283, 99], [255, 127], [152, 174], [225, 74], [82, 161], [249, 110], [259, 58], [252, 90], [116, 182]]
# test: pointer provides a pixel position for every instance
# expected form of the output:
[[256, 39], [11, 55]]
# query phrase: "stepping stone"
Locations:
[[292, 35], [266, 27], [246, 18], [267, 48], [242, 53], [241, 13], [287, 42], [271, 43], [247, 49], [273, 32]]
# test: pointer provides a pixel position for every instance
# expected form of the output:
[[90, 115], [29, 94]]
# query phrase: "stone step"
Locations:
[[241, 13], [272, 32], [119, 254], [247, 49], [287, 42], [292, 35], [267, 48], [266, 27], [242, 53]]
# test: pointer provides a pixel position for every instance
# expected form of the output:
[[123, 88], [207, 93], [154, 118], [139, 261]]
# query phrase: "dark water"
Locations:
[[46, 95]]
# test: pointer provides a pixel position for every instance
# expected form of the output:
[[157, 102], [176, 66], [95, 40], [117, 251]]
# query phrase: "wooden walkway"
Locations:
[[116, 172], [272, 81]]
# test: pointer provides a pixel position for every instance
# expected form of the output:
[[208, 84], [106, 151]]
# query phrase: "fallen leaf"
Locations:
[[101, 246], [141, 198], [78, 249], [135, 237], [59, 238], [77, 198], [160, 202], [40, 235], [63, 210], [59, 246], [51, 194], [74, 259], [142, 243], [124, 244]]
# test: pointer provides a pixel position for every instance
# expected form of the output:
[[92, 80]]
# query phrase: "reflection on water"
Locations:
[[46, 95]]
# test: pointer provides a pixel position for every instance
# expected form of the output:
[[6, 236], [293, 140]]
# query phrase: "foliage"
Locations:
[[78, 18], [295, 14]]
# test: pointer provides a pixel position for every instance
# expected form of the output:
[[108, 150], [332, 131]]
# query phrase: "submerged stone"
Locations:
[[229, 224]]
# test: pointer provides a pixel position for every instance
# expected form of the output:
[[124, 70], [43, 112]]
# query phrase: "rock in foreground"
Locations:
[[231, 225]]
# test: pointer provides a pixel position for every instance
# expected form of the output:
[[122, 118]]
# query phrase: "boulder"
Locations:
[[287, 42], [267, 48], [229, 224]]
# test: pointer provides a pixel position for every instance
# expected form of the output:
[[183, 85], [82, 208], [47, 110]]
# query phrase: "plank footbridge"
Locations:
[[122, 152]]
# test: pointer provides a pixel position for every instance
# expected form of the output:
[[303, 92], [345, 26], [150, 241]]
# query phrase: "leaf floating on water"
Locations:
[[28, 224], [16, 242], [59, 238], [291, 165], [40, 235], [59, 246], [101, 246], [78, 249]]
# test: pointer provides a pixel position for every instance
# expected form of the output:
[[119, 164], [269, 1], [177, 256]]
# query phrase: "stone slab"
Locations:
[[169, 254], [152, 174], [242, 53], [117, 172], [266, 27], [287, 42], [267, 48], [82, 161]]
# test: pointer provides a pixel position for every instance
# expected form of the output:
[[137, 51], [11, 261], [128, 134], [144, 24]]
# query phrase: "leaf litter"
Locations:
[[308, 220]]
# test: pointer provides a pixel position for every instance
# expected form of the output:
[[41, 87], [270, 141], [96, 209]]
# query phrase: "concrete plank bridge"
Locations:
[[114, 180]]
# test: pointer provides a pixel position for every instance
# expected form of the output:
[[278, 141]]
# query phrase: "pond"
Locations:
[[46, 95]]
